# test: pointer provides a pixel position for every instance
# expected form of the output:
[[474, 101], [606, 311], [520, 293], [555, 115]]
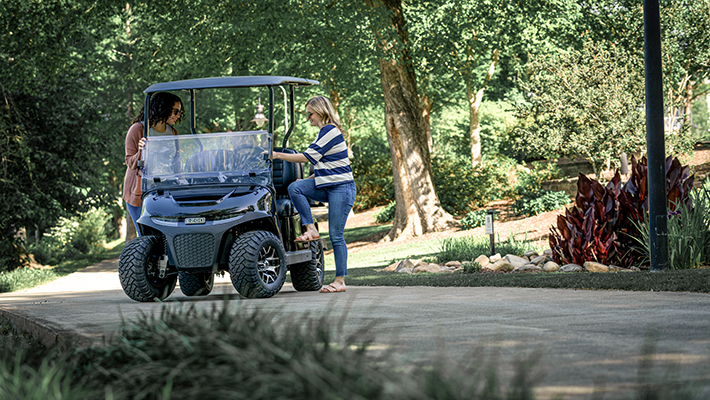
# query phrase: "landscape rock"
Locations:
[[515, 260], [530, 254], [528, 268], [592, 266], [403, 265], [495, 258], [539, 260], [453, 264], [405, 270], [551, 266], [482, 260], [547, 253], [426, 267], [501, 265], [571, 268]]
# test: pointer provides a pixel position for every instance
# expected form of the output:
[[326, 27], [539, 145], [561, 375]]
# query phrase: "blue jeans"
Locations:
[[340, 199], [135, 213]]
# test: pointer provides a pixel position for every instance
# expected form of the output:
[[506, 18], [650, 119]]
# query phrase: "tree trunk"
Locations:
[[426, 109], [474, 106], [418, 208]]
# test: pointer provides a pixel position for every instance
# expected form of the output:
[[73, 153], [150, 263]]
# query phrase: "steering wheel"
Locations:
[[249, 157]]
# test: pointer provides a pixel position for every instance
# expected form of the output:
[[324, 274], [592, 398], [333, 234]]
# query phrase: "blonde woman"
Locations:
[[331, 183]]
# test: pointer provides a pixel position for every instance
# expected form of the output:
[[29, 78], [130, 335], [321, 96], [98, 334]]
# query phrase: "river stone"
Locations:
[[571, 268], [592, 266], [551, 266], [501, 265], [406, 266], [547, 253], [453, 264], [495, 258], [482, 260], [530, 254], [538, 260], [527, 268], [516, 261], [426, 267]]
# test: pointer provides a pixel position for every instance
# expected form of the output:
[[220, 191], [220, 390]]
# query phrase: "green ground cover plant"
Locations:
[[26, 278], [178, 352]]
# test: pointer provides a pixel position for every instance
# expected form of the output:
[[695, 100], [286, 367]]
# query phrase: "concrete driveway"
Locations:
[[591, 340]]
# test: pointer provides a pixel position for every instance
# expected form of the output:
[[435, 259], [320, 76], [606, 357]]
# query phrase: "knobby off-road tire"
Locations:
[[257, 264], [308, 276], [199, 284], [138, 271]]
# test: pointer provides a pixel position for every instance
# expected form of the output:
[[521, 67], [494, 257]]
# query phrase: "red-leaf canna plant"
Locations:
[[603, 221]]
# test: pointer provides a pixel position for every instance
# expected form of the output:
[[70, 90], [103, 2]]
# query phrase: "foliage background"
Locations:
[[72, 73]]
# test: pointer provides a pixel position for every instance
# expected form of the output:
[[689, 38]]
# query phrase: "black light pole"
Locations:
[[655, 142]]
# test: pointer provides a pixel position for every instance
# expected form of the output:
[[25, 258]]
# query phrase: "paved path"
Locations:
[[590, 339]]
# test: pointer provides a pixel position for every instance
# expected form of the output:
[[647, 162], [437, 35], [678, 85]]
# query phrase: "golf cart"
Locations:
[[216, 202]]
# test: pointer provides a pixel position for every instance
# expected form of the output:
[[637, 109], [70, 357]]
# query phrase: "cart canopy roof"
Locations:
[[228, 82]]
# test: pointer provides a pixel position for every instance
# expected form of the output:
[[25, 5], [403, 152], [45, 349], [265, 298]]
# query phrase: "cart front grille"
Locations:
[[194, 250]]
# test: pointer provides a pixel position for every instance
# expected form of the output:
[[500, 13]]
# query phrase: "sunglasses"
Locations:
[[176, 111]]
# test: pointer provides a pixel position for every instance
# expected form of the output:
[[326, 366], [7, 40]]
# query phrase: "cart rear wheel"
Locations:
[[199, 284], [308, 276]]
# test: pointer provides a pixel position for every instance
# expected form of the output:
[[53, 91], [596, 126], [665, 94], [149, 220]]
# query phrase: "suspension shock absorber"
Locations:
[[163, 261]]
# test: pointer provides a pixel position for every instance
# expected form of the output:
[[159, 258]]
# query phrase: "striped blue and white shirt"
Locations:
[[329, 155]]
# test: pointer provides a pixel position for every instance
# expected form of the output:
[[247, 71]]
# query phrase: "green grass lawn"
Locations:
[[364, 270], [364, 266]]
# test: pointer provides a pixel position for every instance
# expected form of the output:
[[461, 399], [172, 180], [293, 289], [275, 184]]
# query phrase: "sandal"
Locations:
[[305, 238], [332, 289]]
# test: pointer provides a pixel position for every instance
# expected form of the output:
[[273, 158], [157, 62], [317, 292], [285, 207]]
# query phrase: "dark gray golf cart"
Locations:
[[215, 202]]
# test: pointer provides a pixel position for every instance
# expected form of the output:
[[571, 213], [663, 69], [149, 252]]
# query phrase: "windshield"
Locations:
[[215, 158]]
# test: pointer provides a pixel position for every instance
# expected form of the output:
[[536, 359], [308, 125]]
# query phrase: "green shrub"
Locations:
[[372, 169], [462, 187], [531, 179], [80, 234], [474, 219], [539, 202], [386, 214]]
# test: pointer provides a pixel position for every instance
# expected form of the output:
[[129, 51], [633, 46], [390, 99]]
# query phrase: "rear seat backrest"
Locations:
[[286, 172]]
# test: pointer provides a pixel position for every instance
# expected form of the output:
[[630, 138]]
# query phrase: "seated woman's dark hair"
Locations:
[[161, 108]]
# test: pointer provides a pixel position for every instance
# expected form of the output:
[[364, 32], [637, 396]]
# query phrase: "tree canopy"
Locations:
[[72, 73]]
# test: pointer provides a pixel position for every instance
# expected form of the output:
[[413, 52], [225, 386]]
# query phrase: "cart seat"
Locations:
[[285, 172]]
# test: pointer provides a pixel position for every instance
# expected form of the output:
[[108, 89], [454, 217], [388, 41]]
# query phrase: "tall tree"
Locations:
[[53, 151], [468, 40], [685, 36], [418, 208]]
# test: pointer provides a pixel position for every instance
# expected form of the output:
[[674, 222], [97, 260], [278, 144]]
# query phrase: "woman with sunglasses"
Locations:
[[331, 183], [165, 110]]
